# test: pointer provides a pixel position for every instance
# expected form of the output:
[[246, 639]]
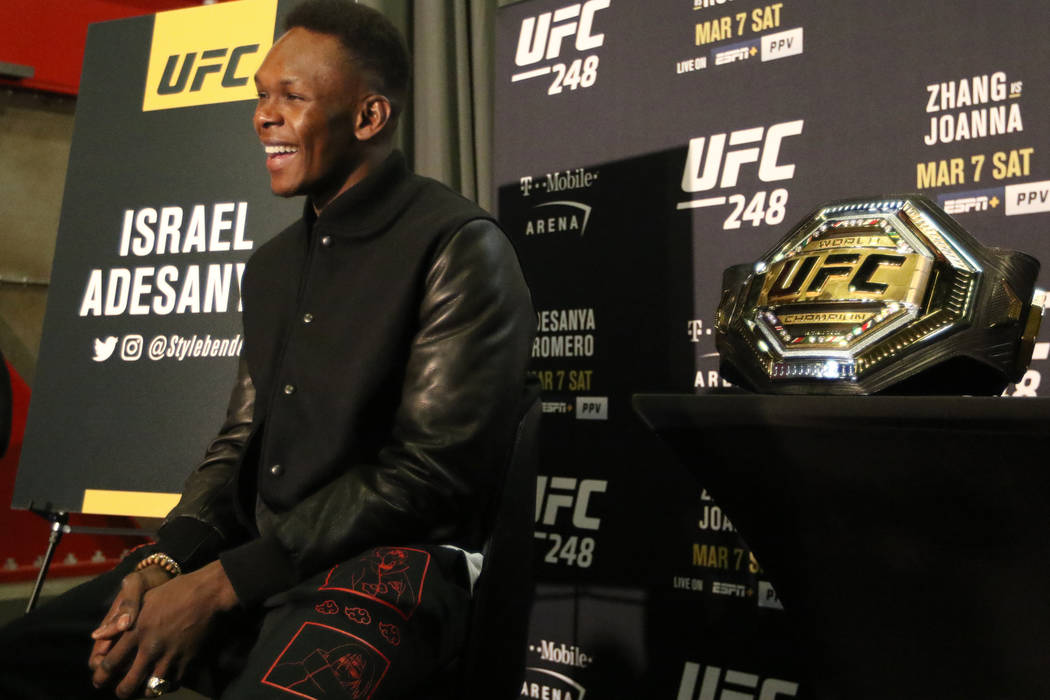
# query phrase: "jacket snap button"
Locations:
[[326, 241], [289, 389], [308, 318], [277, 470]]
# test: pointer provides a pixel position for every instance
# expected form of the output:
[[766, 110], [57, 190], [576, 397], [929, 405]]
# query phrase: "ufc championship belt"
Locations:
[[870, 295]]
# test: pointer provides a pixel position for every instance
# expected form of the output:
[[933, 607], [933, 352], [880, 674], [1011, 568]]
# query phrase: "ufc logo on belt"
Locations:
[[839, 274]]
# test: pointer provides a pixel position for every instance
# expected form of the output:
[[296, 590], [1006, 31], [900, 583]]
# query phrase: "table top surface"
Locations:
[[663, 412]]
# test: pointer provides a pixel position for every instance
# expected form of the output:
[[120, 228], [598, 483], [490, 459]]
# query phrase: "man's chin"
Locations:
[[286, 191]]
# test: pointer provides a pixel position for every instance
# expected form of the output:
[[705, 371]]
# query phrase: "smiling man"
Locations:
[[327, 544]]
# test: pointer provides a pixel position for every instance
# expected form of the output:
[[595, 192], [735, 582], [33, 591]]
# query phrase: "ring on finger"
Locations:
[[157, 686]]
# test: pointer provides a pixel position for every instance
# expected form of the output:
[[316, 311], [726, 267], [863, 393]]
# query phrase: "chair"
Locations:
[[493, 662]]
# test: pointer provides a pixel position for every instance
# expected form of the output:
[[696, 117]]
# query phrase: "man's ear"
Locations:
[[373, 114]]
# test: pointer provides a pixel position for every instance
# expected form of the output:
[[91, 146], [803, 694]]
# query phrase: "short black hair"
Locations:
[[372, 41]]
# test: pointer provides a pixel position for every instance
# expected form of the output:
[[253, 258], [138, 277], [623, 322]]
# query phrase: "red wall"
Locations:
[[49, 35]]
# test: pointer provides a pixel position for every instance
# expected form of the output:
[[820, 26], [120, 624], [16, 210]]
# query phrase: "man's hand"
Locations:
[[167, 631], [125, 609]]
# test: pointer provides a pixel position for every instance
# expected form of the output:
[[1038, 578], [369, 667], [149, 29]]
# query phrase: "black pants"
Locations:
[[382, 625]]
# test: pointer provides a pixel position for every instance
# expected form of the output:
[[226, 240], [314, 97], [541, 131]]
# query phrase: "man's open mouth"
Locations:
[[281, 150]]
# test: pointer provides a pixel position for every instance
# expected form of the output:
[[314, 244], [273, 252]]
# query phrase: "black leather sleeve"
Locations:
[[458, 408], [204, 521]]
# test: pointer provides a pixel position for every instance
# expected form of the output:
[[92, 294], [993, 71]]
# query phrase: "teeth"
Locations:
[[274, 150]]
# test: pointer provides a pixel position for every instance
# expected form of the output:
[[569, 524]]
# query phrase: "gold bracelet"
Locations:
[[163, 561]]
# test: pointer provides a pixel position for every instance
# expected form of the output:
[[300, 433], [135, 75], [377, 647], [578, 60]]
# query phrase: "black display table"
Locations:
[[909, 537]]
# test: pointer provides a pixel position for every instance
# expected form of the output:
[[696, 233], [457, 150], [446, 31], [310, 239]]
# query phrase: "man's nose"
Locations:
[[266, 116]]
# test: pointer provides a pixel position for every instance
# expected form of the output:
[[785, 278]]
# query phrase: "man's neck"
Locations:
[[372, 158]]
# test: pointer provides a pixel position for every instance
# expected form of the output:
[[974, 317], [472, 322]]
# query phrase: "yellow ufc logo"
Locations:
[[174, 80], [205, 55]]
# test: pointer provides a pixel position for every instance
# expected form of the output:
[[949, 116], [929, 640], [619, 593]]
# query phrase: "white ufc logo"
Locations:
[[734, 685], [569, 494], [702, 172], [541, 37]]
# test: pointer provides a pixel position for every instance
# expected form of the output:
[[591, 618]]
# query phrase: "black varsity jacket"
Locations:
[[381, 379]]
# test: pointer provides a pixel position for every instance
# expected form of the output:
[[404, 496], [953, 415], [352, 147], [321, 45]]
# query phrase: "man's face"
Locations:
[[308, 94]]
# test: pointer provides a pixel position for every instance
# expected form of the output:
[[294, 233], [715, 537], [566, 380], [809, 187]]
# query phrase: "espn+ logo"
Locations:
[[206, 55]]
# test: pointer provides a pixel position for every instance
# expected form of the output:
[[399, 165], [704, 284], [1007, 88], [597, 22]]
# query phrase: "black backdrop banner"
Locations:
[[642, 148], [166, 197]]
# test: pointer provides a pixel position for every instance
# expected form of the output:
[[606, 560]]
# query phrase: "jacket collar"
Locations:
[[368, 207]]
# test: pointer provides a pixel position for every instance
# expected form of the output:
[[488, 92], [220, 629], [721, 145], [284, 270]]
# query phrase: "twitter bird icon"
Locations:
[[104, 348]]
